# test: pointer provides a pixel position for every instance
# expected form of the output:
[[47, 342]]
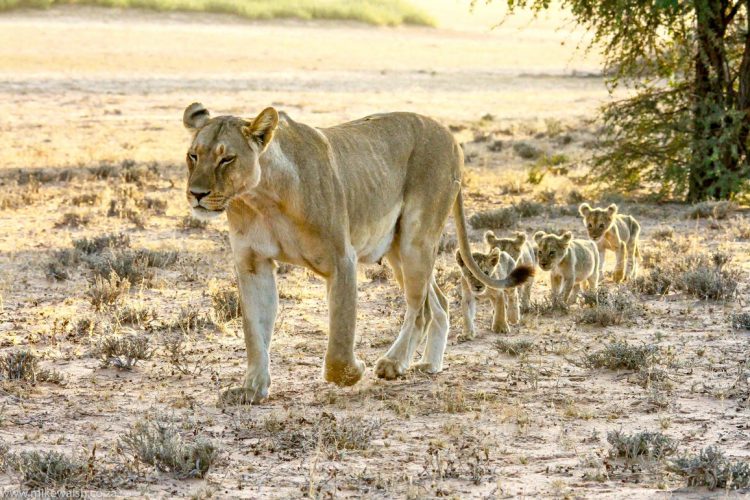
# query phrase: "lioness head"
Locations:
[[486, 262], [551, 248], [597, 220], [223, 157], [510, 245]]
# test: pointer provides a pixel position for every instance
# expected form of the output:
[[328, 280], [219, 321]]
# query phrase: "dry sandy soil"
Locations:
[[90, 126]]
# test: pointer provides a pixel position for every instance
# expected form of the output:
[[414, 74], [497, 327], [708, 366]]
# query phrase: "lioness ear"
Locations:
[[459, 259], [490, 237], [538, 236], [520, 238], [262, 128], [566, 237], [584, 209], [195, 117], [612, 209]]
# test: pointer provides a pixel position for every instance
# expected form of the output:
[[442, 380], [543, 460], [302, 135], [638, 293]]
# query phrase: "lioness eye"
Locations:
[[192, 157], [226, 160]]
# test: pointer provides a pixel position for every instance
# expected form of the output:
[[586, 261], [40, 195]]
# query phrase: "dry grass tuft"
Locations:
[[526, 150], [622, 356], [73, 220], [100, 243], [379, 272], [712, 209], [226, 301], [124, 352], [608, 307], [42, 470], [498, 218], [645, 445], [712, 469], [741, 321], [514, 347], [107, 291]]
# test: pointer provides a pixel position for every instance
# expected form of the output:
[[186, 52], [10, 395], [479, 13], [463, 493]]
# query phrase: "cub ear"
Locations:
[[538, 236], [262, 128], [494, 257], [195, 117], [459, 259], [490, 238], [520, 237], [566, 237], [612, 209], [584, 209]]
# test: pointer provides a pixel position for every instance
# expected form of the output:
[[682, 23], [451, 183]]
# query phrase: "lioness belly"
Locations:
[[371, 242]]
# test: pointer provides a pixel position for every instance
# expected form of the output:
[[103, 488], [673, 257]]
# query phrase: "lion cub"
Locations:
[[614, 231], [572, 263], [505, 302], [522, 251]]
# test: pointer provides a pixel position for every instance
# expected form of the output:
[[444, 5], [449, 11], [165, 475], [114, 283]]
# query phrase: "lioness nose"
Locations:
[[199, 193]]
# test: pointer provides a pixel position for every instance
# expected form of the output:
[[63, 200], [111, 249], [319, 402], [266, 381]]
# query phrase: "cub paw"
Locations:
[[388, 369], [344, 373]]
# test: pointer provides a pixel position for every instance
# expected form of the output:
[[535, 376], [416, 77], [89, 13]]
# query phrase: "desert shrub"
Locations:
[[175, 346], [710, 283], [134, 265], [378, 272], [741, 321], [547, 306], [348, 433], [189, 319], [575, 197], [622, 356], [514, 347], [739, 228], [73, 219], [498, 218], [448, 244], [89, 199], [226, 301], [100, 243], [158, 205], [656, 281], [662, 232], [58, 266], [648, 445], [608, 307], [547, 196], [128, 204], [134, 315], [18, 196], [451, 400], [157, 442], [107, 291], [124, 352], [527, 151], [19, 365], [49, 469], [712, 469], [715, 209], [189, 222], [527, 208]]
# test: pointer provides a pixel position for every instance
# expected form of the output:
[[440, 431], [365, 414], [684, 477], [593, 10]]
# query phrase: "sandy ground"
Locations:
[[84, 87]]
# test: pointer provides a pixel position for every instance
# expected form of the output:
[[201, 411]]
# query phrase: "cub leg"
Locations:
[[621, 255], [555, 286], [569, 287], [499, 317], [468, 311], [600, 245], [512, 306]]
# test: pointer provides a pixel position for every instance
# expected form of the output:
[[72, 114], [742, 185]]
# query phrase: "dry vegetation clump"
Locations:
[[58, 267], [188, 321], [606, 307], [466, 460], [124, 351], [73, 220], [647, 445], [526, 150], [547, 306], [138, 315], [100, 243], [712, 469], [514, 347], [622, 356], [712, 209], [336, 435], [17, 196], [528, 208], [176, 346], [189, 222], [226, 301], [379, 272], [739, 228], [157, 442], [448, 244], [741, 321], [41, 470], [498, 218], [451, 399], [655, 282], [134, 265], [24, 365], [107, 291], [87, 199], [710, 283]]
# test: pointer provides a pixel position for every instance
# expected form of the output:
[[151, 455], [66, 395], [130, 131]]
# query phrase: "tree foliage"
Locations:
[[685, 64]]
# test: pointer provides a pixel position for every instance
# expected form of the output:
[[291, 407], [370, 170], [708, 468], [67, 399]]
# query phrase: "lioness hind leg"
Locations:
[[395, 362], [437, 331]]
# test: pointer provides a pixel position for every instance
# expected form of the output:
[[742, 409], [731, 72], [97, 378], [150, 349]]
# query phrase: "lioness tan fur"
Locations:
[[617, 232], [523, 252], [326, 198], [504, 302], [572, 263]]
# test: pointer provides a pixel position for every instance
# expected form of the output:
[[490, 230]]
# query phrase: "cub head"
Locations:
[[510, 245], [222, 159], [551, 248], [487, 262], [597, 220]]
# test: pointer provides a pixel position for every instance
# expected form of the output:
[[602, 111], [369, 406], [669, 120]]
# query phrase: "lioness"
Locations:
[[504, 302], [326, 198], [572, 263], [614, 231]]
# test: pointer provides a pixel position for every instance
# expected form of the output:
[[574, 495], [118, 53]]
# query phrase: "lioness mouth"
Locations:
[[204, 213]]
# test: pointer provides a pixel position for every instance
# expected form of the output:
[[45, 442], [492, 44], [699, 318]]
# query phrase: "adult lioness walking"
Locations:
[[382, 186]]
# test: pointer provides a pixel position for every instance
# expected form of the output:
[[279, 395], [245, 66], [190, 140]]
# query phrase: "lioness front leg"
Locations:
[[260, 301], [341, 365]]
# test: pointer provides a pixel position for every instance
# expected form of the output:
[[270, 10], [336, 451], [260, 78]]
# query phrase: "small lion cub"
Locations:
[[505, 302], [617, 232], [522, 251], [573, 263]]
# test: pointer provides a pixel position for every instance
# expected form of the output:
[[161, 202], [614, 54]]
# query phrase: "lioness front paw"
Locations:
[[467, 334], [344, 373], [253, 391], [425, 367], [388, 369], [501, 328]]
